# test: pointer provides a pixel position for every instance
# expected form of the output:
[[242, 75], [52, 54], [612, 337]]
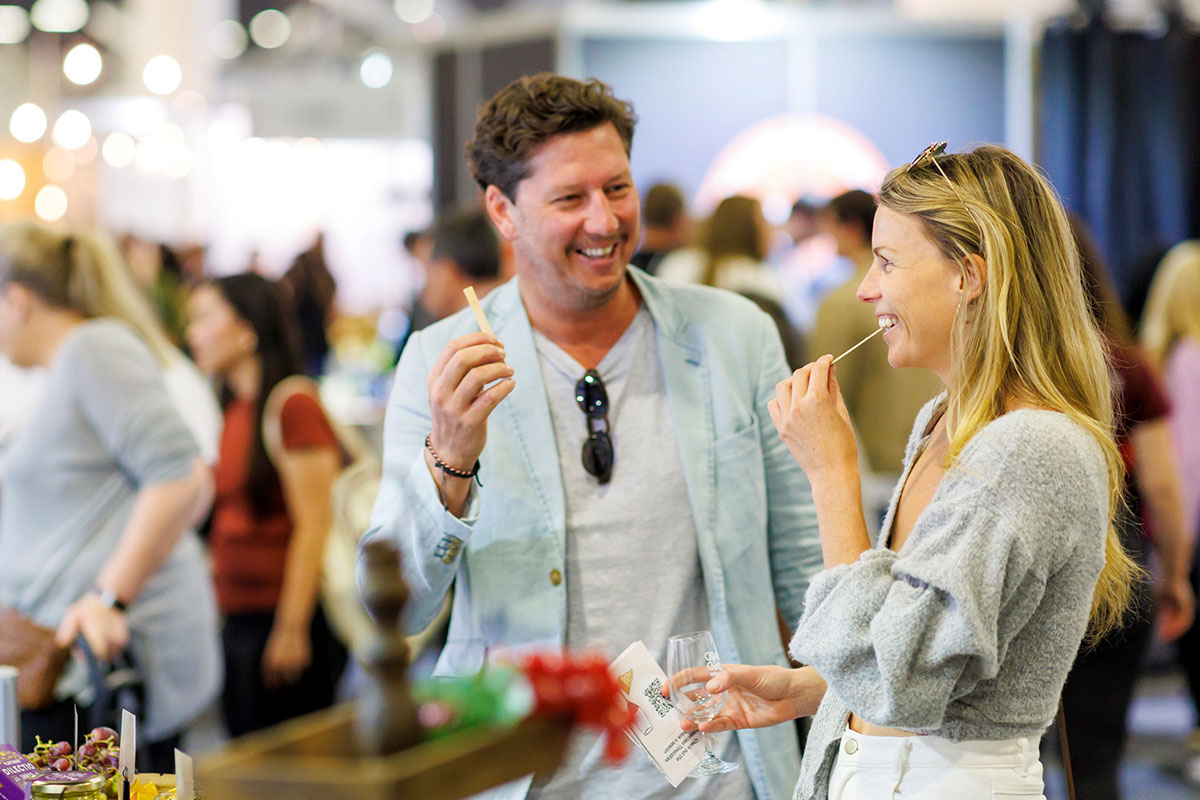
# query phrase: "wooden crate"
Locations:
[[313, 758]]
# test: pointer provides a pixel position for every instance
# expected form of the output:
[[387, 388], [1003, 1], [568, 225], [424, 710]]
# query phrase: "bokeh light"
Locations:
[[59, 16], [28, 123], [58, 165], [413, 11], [162, 75], [119, 149], [270, 29], [72, 130], [14, 24], [12, 179], [431, 30], [228, 39], [87, 154], [50, 203], [83, 64], [376, 69]]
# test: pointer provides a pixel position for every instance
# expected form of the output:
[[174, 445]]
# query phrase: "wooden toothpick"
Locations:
[[860, 344], [478, 309]]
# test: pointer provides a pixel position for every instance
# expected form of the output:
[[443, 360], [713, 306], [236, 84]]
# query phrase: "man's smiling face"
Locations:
[[575, 220]]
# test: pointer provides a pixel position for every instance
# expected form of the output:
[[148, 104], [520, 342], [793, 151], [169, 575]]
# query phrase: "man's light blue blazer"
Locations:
[[752, 506]]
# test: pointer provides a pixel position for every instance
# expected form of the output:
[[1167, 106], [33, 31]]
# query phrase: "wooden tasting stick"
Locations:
[[478, 309], [860, 344]]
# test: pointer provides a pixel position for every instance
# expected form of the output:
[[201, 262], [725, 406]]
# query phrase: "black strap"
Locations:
[[118, 685], [446, 468], [1066, 751]]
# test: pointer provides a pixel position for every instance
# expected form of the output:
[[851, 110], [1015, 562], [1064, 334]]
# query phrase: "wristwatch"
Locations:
[[109, 599]]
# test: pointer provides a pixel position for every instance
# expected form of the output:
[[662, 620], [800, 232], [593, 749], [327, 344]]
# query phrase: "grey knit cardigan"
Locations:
[[969, 631]]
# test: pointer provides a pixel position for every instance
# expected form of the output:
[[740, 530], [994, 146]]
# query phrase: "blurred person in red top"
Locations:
[[1098, 691], [268, 527]]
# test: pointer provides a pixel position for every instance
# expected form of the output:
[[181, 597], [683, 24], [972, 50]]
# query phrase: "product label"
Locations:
[[16, 771]]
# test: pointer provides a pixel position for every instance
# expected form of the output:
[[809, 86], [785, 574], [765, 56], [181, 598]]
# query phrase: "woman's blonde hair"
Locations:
[[1173, 304], [1029, 336], [80, 272]]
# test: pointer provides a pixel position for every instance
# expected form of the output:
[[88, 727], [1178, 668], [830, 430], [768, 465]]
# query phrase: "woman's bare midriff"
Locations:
[[860, 725]]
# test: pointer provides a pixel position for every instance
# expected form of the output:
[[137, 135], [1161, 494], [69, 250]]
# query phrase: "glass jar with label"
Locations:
[[67, 786]]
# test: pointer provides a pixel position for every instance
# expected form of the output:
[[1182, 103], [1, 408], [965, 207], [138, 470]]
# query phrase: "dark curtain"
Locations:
[[1119, 135]]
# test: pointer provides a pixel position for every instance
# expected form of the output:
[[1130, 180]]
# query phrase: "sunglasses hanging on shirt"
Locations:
[[597, 448]]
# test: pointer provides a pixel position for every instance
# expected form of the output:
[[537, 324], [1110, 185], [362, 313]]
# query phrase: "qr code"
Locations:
[[657, 701]]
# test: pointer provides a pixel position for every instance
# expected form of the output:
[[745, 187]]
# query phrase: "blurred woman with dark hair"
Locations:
[[272, 510], [1099, 689]]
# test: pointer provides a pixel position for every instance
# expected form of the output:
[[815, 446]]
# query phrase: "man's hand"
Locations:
[[758, 697], [460, 400], [105, 629]]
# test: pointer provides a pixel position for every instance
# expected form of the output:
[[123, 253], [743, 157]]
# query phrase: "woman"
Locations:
[[1097, 695], [730, 254], [945, 645], [1171, 337], [101, 487], [269, 517]]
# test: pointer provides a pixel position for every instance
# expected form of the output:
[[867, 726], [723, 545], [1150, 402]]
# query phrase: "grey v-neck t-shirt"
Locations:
[[632, 564]]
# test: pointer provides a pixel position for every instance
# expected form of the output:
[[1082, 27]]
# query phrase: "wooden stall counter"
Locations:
[[314, 758]]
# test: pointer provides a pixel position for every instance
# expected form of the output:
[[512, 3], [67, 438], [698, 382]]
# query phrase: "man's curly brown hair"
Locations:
[[532, 109]]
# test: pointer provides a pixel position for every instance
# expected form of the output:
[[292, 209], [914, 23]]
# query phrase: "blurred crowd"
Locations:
[[187, 382]]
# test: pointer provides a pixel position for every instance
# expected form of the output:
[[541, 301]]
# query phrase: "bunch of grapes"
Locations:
[[99, 753]]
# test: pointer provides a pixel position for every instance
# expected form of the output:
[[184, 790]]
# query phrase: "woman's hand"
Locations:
[[105, 629], [288, 653], [758, 697], [1176, 608], [811, 417]]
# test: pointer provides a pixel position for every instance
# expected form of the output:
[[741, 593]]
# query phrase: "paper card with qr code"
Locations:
[[656, 727]]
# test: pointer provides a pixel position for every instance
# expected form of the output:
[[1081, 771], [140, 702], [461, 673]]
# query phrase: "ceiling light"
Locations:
[[82, 64]]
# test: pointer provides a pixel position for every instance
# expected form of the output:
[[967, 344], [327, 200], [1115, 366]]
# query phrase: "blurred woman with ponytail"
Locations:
[[102, 487]]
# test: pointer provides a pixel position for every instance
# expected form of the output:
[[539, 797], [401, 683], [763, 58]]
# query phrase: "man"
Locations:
[[668, 226], [669, 507], [882, 401], [465, 253]]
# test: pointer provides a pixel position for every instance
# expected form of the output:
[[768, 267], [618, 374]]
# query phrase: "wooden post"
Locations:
[[386, 719]]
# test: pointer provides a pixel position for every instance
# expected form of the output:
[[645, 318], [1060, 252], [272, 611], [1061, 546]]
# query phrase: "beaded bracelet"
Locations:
[[449, 470]]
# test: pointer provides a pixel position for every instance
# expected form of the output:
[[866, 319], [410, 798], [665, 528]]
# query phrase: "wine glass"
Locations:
[[691, 661]]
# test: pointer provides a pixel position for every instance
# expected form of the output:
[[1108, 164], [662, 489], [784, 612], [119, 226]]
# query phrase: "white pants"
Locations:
[[932, 768]]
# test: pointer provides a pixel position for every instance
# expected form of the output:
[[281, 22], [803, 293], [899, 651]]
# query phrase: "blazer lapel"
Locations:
[[527, 413], [689, 392]]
